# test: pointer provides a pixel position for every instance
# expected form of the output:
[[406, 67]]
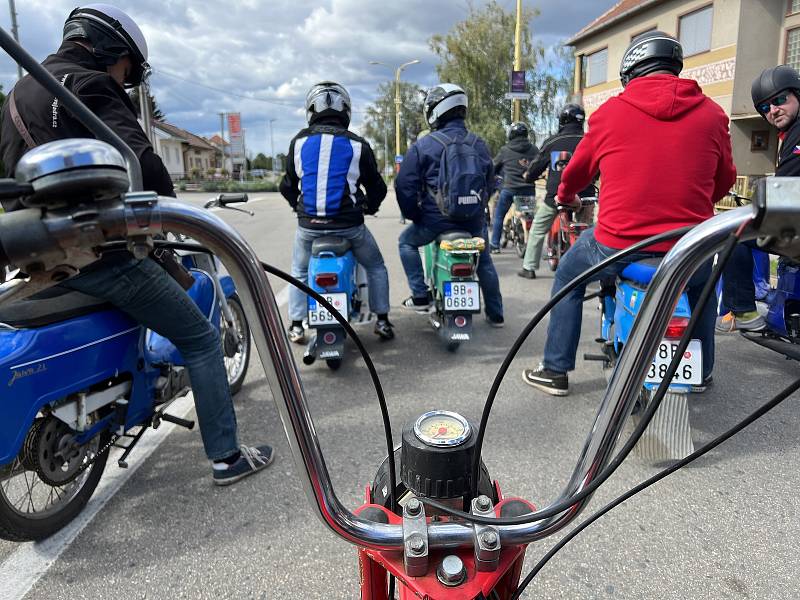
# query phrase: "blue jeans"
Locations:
[[503, 204], [366, 251], [144, 291], [564, 329], [415, 236]]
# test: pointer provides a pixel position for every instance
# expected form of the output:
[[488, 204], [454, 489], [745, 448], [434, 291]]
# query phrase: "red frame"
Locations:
[[375, 567]]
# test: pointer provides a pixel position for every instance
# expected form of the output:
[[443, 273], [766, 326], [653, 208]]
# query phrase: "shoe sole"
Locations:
[[495, 325], [232, 480], [544, 388], [423, 310]]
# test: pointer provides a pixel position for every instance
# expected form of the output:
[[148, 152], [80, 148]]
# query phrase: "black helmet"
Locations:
[[112, 35], [571, 113], [328, 99], [773, 81], [444, 102], [652, 51], [518, 129]]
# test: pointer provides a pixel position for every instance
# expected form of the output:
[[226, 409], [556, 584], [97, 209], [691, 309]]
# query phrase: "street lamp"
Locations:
[[272, 145], [397, 102]]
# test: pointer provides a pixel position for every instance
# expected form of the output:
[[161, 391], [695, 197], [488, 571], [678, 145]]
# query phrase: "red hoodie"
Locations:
[[664, 154]]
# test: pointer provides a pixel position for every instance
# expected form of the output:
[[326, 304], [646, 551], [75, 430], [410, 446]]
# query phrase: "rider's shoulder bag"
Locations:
[[461, 188]]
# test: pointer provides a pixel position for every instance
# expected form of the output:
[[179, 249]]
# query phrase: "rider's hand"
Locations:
[[573, 203]]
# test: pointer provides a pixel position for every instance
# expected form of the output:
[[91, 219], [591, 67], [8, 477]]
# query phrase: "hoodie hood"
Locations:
[[521, 145], [663, 97]]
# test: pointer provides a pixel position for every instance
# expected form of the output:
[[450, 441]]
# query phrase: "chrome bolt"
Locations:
[[416, 545], [414, 507], [451, 571], [489, 539], [483, 503]]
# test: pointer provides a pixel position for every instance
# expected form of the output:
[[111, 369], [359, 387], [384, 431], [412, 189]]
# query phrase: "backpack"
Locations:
[[460, 191]]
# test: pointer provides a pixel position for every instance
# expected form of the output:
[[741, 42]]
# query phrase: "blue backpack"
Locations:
[[460, 191]]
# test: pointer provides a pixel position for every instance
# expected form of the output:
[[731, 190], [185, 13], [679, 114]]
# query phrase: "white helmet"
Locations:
[[328, 99], [112, 34], [442, 99]]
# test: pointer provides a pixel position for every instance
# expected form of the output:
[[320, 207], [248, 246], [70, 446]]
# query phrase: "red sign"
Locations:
[[234, 124]]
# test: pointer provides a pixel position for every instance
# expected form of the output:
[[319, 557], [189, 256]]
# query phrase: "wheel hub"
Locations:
[[50, 449]]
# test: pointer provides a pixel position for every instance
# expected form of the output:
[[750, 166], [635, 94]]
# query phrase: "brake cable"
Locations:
[[749, 420], [647, 416]]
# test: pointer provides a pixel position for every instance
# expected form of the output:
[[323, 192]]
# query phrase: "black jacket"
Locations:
[[789, 155], [326, 167], [566, 140], [512, 161], [46, 121]]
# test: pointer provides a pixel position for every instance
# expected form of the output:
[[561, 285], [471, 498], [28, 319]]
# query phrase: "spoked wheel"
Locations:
[[47, 485], [504, 236], [519, 241], [554, 252], [236, 344]]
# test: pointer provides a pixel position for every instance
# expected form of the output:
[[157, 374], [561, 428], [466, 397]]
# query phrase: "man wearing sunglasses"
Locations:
[[776, 97]]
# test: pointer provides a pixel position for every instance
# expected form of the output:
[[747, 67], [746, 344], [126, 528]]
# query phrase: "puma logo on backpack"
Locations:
[[461, 191]]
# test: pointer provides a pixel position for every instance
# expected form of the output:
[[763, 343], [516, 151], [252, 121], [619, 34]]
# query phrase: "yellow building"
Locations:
[[726, 43]]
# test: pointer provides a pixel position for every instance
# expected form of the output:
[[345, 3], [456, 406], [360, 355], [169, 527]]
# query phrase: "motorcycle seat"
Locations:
[[449, 236], [336, 245], [642, 271], [50, 306]]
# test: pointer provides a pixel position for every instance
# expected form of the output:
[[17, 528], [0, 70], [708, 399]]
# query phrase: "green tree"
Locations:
[[154, 109], [261, 161], [478, 54], [379, 119]]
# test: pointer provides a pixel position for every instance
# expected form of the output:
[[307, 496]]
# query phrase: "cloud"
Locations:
[[265, 54]]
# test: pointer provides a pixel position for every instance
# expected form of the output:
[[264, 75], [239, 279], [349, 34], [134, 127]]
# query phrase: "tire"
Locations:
[[18, 527], [236, 365], [519, 241], [453, 346], [334, 363]]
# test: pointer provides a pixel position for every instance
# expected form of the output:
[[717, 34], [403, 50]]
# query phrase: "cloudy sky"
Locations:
[[261, 56]]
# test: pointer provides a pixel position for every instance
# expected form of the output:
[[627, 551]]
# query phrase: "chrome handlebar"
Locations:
[[284, 379]]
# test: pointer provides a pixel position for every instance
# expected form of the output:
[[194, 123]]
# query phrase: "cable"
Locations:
[[749, 420], [568, 503]]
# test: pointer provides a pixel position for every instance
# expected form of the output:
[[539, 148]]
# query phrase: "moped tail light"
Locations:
[[461, 270], [676, 328], [326, 280]]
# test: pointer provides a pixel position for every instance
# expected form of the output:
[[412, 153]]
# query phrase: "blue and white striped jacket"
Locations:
[[327, 167]]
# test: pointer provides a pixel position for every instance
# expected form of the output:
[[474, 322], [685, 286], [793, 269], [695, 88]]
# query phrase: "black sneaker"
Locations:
[[496, 322], [707, 383], [383, 329], [420, 305], [526, 274], [252, 460], [296, 334], [550, 382]]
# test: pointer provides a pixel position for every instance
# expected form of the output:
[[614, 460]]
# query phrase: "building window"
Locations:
[[595, 68], [794, 6], [695, 31], [793, 48]]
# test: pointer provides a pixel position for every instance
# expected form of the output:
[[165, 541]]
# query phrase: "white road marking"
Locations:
[[31, 560]]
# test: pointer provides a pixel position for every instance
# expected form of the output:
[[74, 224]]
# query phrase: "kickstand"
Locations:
[[122, 462]]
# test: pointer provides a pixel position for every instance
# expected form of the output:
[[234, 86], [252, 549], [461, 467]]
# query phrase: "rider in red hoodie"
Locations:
[[664, 154]]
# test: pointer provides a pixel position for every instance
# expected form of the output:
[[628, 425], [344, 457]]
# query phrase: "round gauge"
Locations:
[[442, 428]]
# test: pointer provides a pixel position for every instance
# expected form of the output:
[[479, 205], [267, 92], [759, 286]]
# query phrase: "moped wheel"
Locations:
[[334, 363], [34, 506], [236, 345], [453, 346], [519, 241]]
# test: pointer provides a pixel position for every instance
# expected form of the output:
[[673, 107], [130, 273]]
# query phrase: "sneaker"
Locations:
[[749, 321], [383, 329], [550, 382], [252, 459], [702, 387], [527, 274], [494, 249], [496, 322], [296, 334], [420, 305]]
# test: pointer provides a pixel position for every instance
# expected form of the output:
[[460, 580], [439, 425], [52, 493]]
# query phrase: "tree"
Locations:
[[380, 119], [154, 109], [261, 161], [478, 54]]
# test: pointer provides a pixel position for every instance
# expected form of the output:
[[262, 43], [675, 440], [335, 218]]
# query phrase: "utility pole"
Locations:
[[15, 31], [397, 103], [516, 103], [222, 136], [272, 145]]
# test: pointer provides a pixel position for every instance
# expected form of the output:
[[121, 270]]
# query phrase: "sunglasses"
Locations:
[[764, 107]]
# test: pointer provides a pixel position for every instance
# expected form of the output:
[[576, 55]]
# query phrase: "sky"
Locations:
[[261, 56]]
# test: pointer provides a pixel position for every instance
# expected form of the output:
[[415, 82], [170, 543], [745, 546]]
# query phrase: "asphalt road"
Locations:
[[727, 527]]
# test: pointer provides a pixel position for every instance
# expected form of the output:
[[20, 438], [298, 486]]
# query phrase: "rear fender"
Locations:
[[343, 266]]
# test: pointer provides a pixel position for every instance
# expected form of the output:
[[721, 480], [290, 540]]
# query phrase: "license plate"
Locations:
[[319, 315], [461, 296], [690, 369]]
